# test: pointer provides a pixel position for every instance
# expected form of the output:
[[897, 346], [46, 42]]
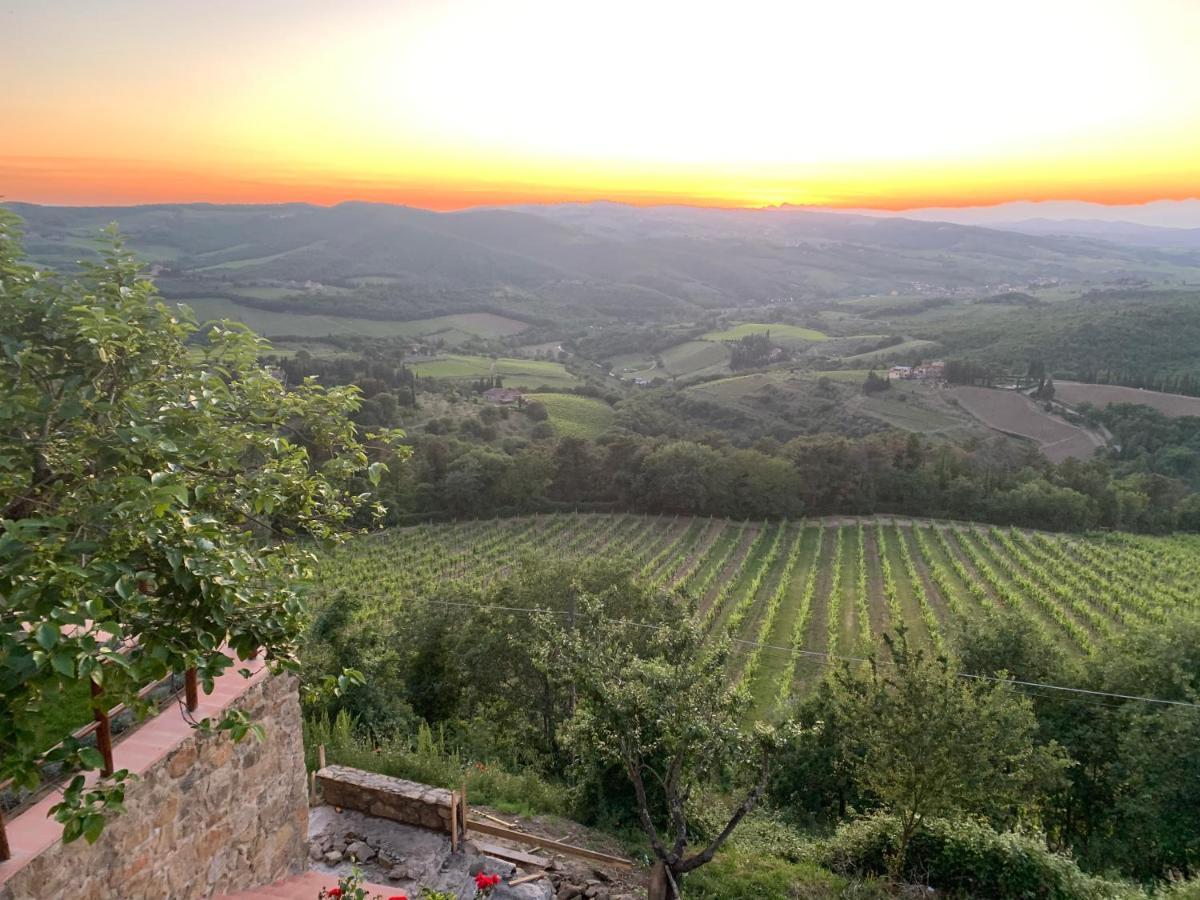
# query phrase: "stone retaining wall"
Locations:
[[385, 797], [209, 817]]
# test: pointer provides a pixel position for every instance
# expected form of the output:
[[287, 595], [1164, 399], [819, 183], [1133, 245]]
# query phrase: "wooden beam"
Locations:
[[103, 729], [454, 821], [464, 809], [514, 856], [557, 846], [499, 821], [5, 852], [526, 879]]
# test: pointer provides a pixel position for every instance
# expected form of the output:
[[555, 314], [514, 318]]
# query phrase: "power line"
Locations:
[[828, 658]]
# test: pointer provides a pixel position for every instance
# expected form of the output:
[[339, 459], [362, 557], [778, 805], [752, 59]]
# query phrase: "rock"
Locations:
[[601, 875], [568, 891], [398, 873], [333, 857], [361, 851], [596, 892], [315, 852]]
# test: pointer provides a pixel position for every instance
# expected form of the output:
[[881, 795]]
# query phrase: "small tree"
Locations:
[[934, 743], [151, 473], [655, 702]]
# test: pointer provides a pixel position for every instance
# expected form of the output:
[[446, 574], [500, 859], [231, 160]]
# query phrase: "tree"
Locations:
[[655, 703], [152, 474], [934, 743], [875, 384]]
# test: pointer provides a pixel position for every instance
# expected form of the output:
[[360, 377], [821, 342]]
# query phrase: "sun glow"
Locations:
[[455, 103]]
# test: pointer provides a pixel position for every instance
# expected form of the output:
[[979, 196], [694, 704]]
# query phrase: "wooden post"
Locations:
[[321, 756], [103, 729], [454, 821], [5, 852], [191, 689], [464, 810]]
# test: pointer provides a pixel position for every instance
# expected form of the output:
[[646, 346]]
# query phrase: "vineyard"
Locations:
[[789, 593]]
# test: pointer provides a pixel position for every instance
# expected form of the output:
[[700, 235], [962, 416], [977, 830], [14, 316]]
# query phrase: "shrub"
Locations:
[[965, 858], [743, 872]]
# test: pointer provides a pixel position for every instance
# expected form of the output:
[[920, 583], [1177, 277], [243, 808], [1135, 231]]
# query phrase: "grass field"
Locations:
[[526, 373], [695, 358], [572, 416], [270, 323], [876, 357], [454, 329], [789, 590], [784, 335]]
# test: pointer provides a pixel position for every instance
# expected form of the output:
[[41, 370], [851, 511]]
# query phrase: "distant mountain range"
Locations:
[[587, 260], [1162, 223]]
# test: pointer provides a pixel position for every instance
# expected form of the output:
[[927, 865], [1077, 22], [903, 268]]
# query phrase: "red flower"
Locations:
[[398, 897], [335, 892], [484, 882]]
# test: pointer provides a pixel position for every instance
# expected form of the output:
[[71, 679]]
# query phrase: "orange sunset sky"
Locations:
[[466, 102]]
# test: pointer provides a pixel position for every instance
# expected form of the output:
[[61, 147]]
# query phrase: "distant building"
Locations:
[[926, 371], [502, 396]]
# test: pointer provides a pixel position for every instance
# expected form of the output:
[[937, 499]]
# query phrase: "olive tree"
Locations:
[[153, 480], [932, 743], [654, 700]]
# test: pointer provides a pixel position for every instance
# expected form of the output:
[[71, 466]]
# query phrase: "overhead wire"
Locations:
[[828, 658]]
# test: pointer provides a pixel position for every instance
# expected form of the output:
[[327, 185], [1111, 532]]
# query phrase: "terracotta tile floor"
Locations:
[[304, 887]]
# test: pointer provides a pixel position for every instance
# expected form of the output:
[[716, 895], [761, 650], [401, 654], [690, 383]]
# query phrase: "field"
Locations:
[[572, 416], [906, 349], [790, 593], [527, 373], [1074, 393], [1014, 413], [784, 335], [453, 329]]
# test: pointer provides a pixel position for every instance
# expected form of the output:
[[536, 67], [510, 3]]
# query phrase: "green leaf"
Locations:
[[91, 757], [64, 663], [72, 830], [92, 826], [46, 635]]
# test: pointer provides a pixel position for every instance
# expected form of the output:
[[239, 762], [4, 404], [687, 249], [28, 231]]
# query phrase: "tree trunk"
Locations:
[[660, 887]]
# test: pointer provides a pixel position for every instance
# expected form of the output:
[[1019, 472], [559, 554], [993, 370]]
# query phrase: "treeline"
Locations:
[[751, 351], [1148, 442], [889, 473]]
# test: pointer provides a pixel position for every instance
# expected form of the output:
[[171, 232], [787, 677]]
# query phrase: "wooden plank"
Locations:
[[499, 821], [526, 879], [516, 856], [557, 846], [454, 821]]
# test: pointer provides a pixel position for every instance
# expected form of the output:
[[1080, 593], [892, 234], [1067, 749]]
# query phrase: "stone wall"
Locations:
[[385, 797], [211, 816]]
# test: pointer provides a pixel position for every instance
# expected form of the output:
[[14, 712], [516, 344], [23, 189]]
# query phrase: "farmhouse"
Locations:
[[897, 373], [502, 396]]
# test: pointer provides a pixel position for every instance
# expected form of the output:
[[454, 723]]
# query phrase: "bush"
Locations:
[[965, 859], [743, 872]]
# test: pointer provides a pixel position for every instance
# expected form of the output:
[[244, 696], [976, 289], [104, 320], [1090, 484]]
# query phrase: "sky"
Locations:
[[881, 104]]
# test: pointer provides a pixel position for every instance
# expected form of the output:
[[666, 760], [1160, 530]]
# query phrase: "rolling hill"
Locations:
[[598, 262]]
